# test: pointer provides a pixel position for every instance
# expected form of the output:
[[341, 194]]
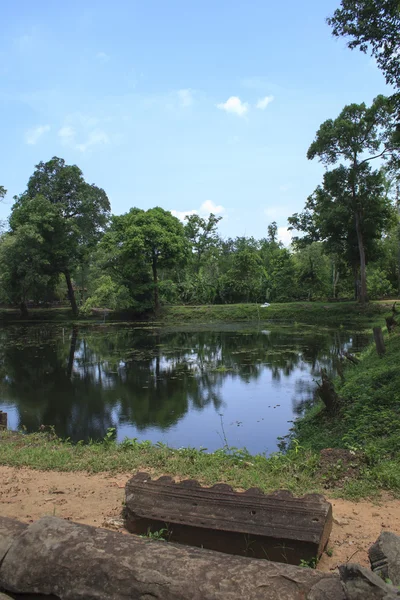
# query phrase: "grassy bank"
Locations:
[[369, 421], [346, 314], [294, 471]]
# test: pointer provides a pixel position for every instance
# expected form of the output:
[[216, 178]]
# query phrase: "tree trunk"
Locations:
[[155, 282], [379, 341], [23, 308], [326, 391], [71, 293], [363, 271]]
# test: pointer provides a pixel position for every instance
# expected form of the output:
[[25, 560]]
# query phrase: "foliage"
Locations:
[[372, 25], [77, 210], [141, 243], [350, 211]]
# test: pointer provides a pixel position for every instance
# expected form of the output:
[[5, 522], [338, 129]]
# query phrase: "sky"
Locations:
[[195, 106]]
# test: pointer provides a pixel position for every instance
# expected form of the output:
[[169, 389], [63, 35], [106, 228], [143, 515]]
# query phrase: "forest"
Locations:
[[63, 244]]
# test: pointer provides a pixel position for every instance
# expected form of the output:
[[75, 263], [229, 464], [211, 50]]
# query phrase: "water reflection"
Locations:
[[164, 385]]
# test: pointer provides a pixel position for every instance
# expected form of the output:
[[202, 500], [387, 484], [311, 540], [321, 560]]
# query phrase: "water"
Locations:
[[201, 387]]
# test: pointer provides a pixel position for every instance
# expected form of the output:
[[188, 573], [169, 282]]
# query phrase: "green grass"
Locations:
[[294, 471], [369, 420], [346, 314], [336, 313]]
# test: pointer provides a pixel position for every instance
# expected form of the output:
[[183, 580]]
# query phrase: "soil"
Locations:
[[97, 500]]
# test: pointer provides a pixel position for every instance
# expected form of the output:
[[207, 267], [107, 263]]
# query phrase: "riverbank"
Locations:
[[360, 445], [97, 499], [345, 314]]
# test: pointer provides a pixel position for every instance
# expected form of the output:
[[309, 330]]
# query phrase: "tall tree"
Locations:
[[152, 239], [26, 270], [83, 207], [202, 235], [357, 136], [372, 25], [328, 217]]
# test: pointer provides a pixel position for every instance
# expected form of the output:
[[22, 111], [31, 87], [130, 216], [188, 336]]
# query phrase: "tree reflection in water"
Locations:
[[86, 379]]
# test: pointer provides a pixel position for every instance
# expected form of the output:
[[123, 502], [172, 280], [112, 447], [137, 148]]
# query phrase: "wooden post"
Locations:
[[3, 420], [379, 341]]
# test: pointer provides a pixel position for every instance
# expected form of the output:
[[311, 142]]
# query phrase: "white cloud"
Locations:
[[285, 187], [182, 214], [102, 56], [284, 236], [263, 102], [205, 209], [66, 133], [185, 97], [32, 136], [95, 138], [235, 106], [209, 207]]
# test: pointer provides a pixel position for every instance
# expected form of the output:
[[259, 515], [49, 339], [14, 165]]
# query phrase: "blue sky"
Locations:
[[189, 105]]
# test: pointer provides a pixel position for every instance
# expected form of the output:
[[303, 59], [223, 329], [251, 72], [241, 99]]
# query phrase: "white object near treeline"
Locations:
[[265, 305]]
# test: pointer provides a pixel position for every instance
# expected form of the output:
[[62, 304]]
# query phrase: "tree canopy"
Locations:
[[372, 26]]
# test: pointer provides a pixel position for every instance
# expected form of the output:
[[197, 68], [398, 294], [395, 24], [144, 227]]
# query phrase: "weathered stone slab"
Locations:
[[79, 562], [361, 584], [384, 556], [10, 529], [275, 527]]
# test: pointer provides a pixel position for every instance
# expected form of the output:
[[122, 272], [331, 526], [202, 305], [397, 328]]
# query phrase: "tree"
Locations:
[[358, 135], [152, 239], [328, 217], [202, 235], [26, 271], [84, 209], [3, 192], [374, 25]]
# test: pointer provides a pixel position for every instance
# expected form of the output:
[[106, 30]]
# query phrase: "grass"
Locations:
[[369, 420], [324, 313], [346, 314], [294, 471]]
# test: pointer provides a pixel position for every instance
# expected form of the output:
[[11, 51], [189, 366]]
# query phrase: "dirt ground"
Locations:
[[97, 500]]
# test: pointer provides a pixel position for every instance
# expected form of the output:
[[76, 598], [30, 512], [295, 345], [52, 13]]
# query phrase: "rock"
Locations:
[[76, 562], [384, 557], [10, 529], [361, 584], [327, 590], [4, 597]]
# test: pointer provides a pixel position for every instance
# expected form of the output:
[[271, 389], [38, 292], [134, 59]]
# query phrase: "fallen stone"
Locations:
[[361, 584], [76, 562], [10, 529], [384, 557], [276, 527]]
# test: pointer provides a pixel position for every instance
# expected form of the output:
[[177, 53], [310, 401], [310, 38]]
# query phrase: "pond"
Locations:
[[203, 387]]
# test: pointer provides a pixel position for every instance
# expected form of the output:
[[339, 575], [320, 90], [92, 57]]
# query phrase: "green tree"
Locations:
[[146, 240], [358, 135], [26, 270], [84, 209], [328, 217], [372, 25], [202, 235]]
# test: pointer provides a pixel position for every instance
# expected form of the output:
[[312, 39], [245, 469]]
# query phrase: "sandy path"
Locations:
[[96, 499]]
